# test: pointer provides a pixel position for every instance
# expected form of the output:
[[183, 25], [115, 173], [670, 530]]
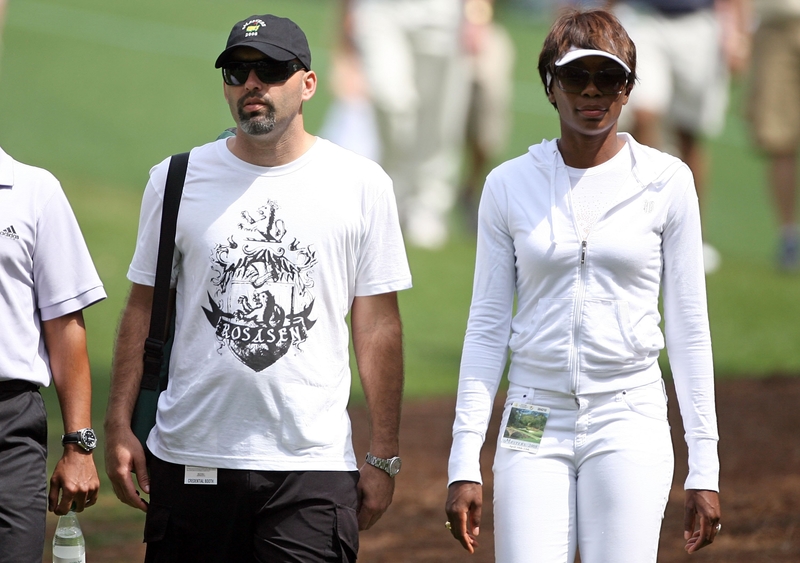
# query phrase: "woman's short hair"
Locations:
[[585, 29]]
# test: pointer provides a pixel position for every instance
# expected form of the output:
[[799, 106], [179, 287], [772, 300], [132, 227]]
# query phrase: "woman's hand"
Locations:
[[700, 519], [464, 502]]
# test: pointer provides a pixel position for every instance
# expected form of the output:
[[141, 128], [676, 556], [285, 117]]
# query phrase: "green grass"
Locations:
[[118, 86], [98, 91]]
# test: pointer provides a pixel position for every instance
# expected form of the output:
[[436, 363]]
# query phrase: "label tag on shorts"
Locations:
[[200, 475], [525, 427]]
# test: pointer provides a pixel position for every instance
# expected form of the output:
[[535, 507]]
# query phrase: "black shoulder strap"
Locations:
[[154, 345]]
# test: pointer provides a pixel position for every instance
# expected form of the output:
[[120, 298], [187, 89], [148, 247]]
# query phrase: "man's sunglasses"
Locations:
[[268, 72], [574, 80]]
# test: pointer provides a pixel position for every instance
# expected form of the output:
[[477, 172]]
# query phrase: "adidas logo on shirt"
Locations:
[[10, 232]]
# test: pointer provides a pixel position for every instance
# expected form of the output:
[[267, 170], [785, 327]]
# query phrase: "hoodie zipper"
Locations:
[[578, 319], [581, 291], [577, 323]]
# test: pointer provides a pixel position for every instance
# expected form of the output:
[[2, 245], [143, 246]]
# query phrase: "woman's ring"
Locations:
[[447, 525], [718, 527]]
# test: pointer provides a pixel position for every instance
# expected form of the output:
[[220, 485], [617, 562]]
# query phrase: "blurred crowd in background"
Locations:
[[425, 87]]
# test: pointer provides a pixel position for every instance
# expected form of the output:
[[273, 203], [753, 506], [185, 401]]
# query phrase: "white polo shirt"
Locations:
[[45, 268]]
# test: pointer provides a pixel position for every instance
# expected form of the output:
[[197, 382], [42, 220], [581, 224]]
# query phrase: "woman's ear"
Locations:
[[628, 89], [549, 88]]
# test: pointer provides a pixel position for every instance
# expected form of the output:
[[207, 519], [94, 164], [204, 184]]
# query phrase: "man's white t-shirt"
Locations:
[[267, 263]]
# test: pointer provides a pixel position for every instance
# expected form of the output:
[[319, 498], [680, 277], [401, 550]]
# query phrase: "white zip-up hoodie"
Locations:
[[587, 318]]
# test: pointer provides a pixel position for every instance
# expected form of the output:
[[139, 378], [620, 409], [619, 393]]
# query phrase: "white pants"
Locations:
[[599, 481]]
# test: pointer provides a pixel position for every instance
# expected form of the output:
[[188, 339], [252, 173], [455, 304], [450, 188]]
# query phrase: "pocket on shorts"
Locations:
[[156, 523], [347, 533]]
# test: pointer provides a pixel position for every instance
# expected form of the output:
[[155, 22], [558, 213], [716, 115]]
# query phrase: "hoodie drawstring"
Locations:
[[553, 170]]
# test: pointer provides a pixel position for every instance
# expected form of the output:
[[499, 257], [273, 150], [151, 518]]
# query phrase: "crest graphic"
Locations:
[[251, 27], [262, 302]]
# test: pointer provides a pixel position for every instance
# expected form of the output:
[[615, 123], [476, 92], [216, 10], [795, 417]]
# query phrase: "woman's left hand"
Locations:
[[701, 519], [463, 507]]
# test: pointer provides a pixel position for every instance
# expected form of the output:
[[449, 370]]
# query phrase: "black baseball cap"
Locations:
[[278, 38]]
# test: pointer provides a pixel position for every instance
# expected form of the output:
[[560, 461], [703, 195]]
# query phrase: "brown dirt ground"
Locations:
[[759, 422]]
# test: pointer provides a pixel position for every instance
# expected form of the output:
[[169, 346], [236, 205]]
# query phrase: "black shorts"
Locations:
[[23, 472], [251, 516]]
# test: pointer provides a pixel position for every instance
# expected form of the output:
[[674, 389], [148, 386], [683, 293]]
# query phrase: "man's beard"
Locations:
[[256, 123]]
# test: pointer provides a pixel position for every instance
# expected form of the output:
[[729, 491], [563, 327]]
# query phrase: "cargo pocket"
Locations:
[[155, 523], [346, 533]]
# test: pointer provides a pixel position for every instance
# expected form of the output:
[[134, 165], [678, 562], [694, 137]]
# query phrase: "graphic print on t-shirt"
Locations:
[[262, 301]]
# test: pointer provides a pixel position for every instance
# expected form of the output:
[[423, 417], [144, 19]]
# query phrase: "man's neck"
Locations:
[[266, 150]]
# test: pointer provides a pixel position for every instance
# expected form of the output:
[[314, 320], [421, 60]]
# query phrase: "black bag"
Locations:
[[158, 345]]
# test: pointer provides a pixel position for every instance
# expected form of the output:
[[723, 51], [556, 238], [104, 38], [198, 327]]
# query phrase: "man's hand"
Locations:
[[74, 480], [700, 519], [124, 452], [375, 491], [75, 476], [125, 455], [378, 346], [464, 503]]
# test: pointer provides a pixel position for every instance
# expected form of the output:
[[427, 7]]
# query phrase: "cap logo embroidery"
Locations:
[[251, 28]]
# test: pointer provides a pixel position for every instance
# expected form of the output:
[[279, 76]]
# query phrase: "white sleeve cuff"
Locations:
[[465, 458], [74, 304], [703, 465]]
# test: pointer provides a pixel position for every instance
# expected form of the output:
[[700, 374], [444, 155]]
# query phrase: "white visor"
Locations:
[[574, 54]]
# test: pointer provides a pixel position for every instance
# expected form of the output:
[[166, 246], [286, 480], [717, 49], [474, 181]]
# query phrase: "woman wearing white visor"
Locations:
[[585, 231]]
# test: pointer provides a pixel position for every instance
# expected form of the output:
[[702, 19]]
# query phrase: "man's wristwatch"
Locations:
[[390, 466], [85, 438]]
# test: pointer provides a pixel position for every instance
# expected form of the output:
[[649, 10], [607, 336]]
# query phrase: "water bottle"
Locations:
[[69, 546]]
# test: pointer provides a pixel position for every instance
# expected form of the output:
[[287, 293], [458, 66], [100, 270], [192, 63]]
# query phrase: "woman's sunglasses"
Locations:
[[574, 80], [268, 72]]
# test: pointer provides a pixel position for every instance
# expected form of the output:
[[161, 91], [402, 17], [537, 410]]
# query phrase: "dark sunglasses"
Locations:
[[574, 80], [268, 72]]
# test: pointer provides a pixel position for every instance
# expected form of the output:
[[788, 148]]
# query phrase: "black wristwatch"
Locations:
[[390, 466], [85, 438]]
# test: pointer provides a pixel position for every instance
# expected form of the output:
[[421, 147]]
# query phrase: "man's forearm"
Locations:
[[126, 371], [65, 339], [377, 341]]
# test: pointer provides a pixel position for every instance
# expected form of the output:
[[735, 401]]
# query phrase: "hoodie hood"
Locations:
[[650, 168]]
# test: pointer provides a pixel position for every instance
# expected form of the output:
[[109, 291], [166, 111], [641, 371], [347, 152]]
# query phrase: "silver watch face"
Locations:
[[394, 466], [390, 466]]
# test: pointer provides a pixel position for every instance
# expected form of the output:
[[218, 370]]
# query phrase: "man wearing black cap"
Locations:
[[280, 236]]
